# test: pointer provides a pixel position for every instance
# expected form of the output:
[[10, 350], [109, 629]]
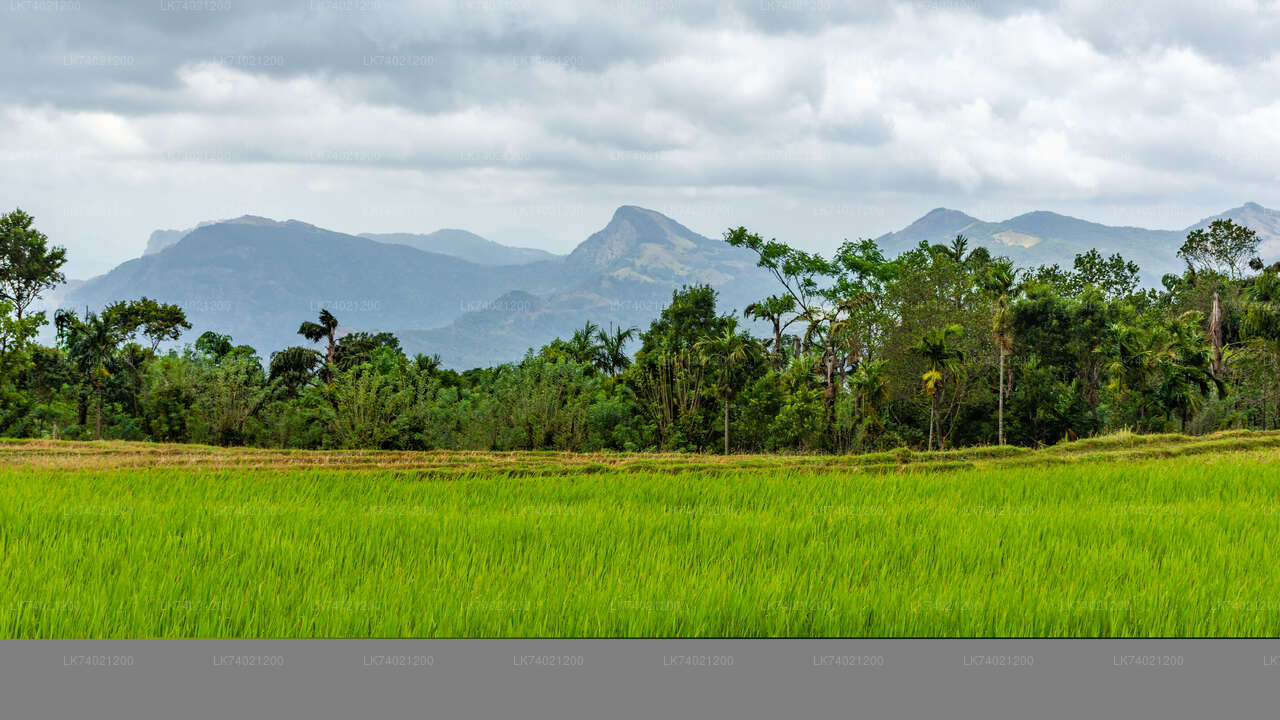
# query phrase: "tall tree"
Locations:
[[1223, 245], [803, 276], [726, 350], [91, 342], [155, 321], [612, 349], [944, 361], [775, 309], [326, 329], [1001, 282], [293, 367], [28, 265], [582, 346]]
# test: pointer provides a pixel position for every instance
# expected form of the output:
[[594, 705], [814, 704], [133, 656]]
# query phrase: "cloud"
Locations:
[[820, 118]]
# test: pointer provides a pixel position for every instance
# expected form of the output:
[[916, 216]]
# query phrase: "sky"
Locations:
[[529, 121]]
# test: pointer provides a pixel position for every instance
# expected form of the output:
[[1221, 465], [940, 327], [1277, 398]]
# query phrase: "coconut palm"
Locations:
[[727, 350]]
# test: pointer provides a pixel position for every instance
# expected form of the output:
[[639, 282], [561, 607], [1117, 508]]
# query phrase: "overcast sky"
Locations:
[[530, 121]]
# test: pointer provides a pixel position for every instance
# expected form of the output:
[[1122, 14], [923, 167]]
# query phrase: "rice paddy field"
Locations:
[[1124, 536]]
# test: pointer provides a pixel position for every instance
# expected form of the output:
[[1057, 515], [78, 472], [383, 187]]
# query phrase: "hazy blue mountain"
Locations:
[[1041, 237], [465, 245], [258, 279], [161, 239], [622, 275]]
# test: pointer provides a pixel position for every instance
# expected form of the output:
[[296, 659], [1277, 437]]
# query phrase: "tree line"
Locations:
[[942, 346]]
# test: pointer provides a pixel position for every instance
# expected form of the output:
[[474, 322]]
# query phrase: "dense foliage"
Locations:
[[943, 346]]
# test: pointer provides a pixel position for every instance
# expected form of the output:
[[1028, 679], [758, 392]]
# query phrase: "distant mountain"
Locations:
[[162, 239], [1038, 238], [258, 279], [1264, 221], [466, 246], [456, 243], [622, 275]]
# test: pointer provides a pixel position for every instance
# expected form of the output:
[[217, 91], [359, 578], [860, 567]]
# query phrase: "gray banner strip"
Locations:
[[639, 678]]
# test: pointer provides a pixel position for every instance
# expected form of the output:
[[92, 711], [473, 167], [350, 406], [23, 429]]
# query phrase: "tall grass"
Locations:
[[1086, 540]]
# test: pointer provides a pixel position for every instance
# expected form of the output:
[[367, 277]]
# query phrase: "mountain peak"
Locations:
[[937, 225], [164, 239], [253, 220], [630, 228], [941, 212], [634, 213]]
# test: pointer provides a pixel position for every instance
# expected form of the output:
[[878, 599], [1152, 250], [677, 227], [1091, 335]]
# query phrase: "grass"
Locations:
[[1131, 536]]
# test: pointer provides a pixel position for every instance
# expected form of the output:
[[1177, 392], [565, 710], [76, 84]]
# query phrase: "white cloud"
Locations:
[[819, 120]]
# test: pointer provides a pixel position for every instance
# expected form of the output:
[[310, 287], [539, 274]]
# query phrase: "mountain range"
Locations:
[[1041, 238], [477, 303]]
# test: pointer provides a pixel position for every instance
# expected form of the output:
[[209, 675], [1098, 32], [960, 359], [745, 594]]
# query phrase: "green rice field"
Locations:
[[1128, 536]]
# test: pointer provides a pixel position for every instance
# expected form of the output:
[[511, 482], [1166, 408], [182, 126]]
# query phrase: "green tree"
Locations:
[[726, 350], [945, 362], [358, 347], [28, 265], [16, 335], [775, 309], [155, 321], [214, 346], [230, 397], [611, 355], [1001, 282], [325, 330], [1113, 275], [1223, 246], [870, 386], [91, 342], [294, 367]]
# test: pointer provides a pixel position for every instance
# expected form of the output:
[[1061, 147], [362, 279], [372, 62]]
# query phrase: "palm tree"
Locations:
[[1188, 368], [1166, 366], [91, 342], [1001, 282], [611, 355], [582, 346], [872, 387], [943, 359], [773, 309], [956, 250], [326, 329], [728, 349]]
